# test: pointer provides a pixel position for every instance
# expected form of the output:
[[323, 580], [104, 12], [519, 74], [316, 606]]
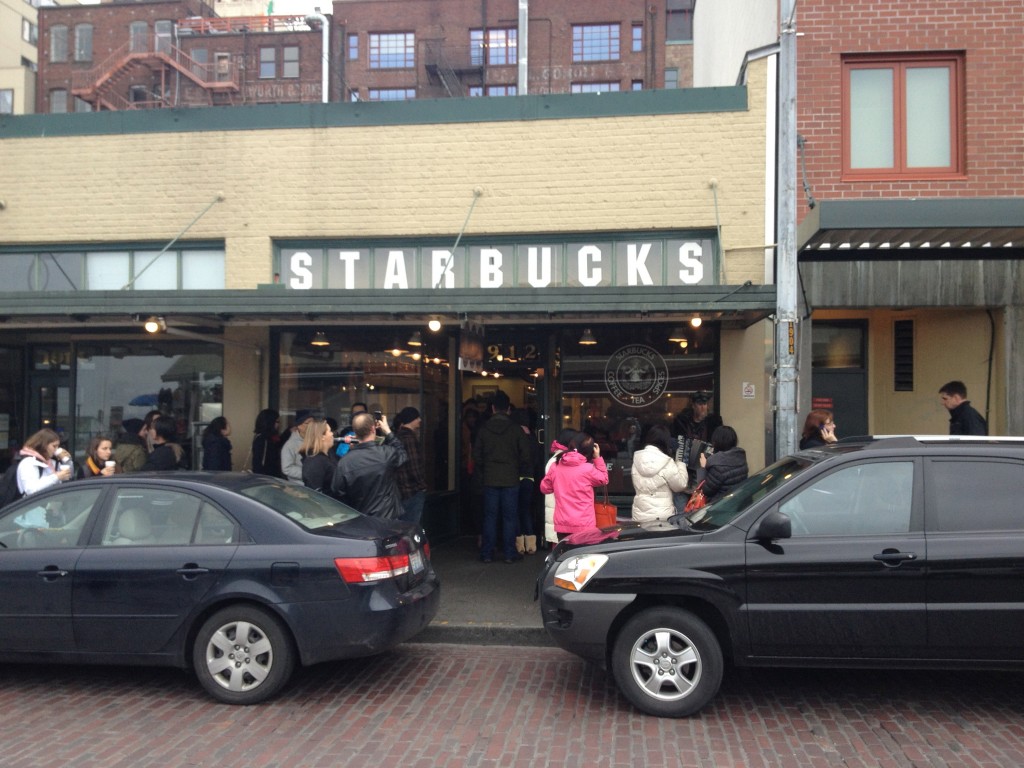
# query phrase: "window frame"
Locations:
[[679, 13], [408, 94], [6, 101], [605, 86], [83, 42], [58, 44], [381, 56], [267, 65], [138, 36], [290, 67], [899, 65], [492, 41], [586, 49], [63, 92]]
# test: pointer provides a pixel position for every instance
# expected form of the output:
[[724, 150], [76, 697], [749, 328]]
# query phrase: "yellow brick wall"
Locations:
[[543, 176]]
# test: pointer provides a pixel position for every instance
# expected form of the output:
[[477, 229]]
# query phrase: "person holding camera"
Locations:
[[572, 479], [366, 476]]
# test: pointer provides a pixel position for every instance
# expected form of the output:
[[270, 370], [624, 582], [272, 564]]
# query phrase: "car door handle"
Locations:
[[892, 557], [191, 571], [52, 572]]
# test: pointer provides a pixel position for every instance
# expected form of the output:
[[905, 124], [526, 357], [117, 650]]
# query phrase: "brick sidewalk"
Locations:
[[462, 706]]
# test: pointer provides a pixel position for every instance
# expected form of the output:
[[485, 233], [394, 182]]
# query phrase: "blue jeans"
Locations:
[[504, 502], [413, 507]]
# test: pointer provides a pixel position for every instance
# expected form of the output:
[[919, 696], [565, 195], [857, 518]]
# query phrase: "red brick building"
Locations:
[[910, 210], [173, 53]]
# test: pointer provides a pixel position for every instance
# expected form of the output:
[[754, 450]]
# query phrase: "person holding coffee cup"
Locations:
[[98, 461]]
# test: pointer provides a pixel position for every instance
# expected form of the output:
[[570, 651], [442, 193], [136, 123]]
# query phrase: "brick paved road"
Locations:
[[459, 706]]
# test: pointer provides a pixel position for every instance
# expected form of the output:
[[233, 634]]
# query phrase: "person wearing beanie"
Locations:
[[412, 486]]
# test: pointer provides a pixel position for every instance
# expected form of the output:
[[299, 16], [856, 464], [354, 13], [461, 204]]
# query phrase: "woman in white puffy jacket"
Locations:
[[656, 476], [558, 447]]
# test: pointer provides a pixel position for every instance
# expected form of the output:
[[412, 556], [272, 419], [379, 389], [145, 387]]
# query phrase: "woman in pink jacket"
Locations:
[[572, 478]]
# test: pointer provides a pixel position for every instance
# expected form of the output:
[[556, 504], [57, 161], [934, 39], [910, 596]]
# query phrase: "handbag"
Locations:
[[606, 514], [697, 499]]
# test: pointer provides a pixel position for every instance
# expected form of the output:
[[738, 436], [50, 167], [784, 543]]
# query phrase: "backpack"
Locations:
[[9, 491]]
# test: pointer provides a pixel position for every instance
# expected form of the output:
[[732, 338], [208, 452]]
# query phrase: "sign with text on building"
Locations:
[[625, 262]]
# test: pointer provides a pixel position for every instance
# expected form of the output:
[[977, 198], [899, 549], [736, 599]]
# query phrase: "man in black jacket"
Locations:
[[366, 475], [963, 419]]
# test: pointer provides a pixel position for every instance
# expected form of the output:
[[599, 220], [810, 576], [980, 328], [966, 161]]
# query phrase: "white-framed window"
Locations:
[[58, 43], [594, 87], [290, 61], [501, 47], [353, 47], [392, 50], [638, 38], [392, 94], [595, 42], [29, 32], [83, 42], [268, 63]]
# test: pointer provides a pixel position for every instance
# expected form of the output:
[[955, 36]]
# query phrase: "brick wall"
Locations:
[[988, 31]]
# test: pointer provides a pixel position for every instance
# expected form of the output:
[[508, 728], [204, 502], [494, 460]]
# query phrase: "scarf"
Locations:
[[91, 465], [39, 457]]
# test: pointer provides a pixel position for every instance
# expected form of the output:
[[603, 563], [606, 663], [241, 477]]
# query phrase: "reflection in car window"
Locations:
[[750, 491], [855, 500], [147, 516], [976, 495], [305, 506], [56, 521]]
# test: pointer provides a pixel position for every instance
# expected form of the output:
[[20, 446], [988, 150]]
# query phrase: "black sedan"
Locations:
[[238, 577]]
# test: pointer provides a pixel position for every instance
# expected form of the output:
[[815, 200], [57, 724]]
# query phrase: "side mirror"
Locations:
[[774, 525]]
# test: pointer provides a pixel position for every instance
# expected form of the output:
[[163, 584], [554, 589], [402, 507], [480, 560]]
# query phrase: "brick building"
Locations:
[[182, 53]]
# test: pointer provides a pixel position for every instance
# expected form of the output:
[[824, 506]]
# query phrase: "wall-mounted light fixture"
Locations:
[[320, 340], [155, 324], [588, 339]]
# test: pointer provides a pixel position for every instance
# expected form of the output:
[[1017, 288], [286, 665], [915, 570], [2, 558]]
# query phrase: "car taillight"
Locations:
[[360, 570]]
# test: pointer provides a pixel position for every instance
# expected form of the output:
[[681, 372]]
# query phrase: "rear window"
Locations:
[[976, 495], [308, 508]]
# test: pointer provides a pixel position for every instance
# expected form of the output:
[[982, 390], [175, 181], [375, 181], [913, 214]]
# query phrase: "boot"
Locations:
[[531, 545], [519, 545]]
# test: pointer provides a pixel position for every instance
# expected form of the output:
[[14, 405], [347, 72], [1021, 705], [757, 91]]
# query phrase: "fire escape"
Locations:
[[440, 69]]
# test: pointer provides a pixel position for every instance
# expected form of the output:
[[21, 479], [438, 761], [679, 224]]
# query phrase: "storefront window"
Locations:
[[380, 368]]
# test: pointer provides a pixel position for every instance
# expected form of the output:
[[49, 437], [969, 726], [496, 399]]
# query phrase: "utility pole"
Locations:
[[786, 317]]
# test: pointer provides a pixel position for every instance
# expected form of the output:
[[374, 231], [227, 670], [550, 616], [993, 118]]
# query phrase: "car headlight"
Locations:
[[574, 572]]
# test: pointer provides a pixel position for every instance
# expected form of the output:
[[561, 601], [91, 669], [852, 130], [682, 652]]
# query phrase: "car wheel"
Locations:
[[243, 655], [667, 662]]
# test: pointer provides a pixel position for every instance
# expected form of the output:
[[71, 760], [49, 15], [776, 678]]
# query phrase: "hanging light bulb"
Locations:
[[320, 340], [588, 339], [416, 340], [677, 335], [434, 325], [695, 321]]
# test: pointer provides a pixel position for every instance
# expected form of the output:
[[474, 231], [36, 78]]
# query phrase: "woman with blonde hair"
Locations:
[[318, 460]]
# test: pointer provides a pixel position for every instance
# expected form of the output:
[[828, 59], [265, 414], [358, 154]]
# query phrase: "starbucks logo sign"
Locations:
[[636, 375]]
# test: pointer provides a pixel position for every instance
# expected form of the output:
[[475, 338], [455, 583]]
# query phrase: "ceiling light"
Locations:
[[684, 344], [678, 334], [588, 339], [155, 325], [416, 340], [320, 340], [695, 321], [434, 325]]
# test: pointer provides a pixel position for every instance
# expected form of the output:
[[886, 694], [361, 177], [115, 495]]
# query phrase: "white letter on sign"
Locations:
[[441, 262], [539, 277], [692, 271], [395, 276], [301, 277], [349, 259], [490, 268], [589, 276], [636, 269]]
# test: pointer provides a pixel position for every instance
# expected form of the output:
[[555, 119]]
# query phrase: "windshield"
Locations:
[[310, 509], [750, 491]]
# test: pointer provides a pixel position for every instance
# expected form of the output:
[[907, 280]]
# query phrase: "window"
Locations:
[[162, 35], [353, 47], [81, 105], [83, 42], [501, 46], [903, 117], [353, 94], [138, 36], [268, 63], [138, 94], [638, 38], [594, 87], [493, 90], [679, 20], [58, 523], [855, 501], [595, 42], [150, 516], [58, 43], [394, 50], [392, 94], [636, 85], [6, 101], [290, 61], [200, 63], [29, 32], [671, 77], [968, 495], [58, 101]]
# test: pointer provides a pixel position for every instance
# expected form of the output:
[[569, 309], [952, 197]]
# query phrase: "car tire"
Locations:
[[243, 655], [667, 662]]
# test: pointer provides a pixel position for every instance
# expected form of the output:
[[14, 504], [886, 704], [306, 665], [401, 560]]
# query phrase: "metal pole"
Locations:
[[786, 316], [523, 48]]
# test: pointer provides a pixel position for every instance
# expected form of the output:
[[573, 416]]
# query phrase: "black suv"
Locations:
[[901, 552]]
